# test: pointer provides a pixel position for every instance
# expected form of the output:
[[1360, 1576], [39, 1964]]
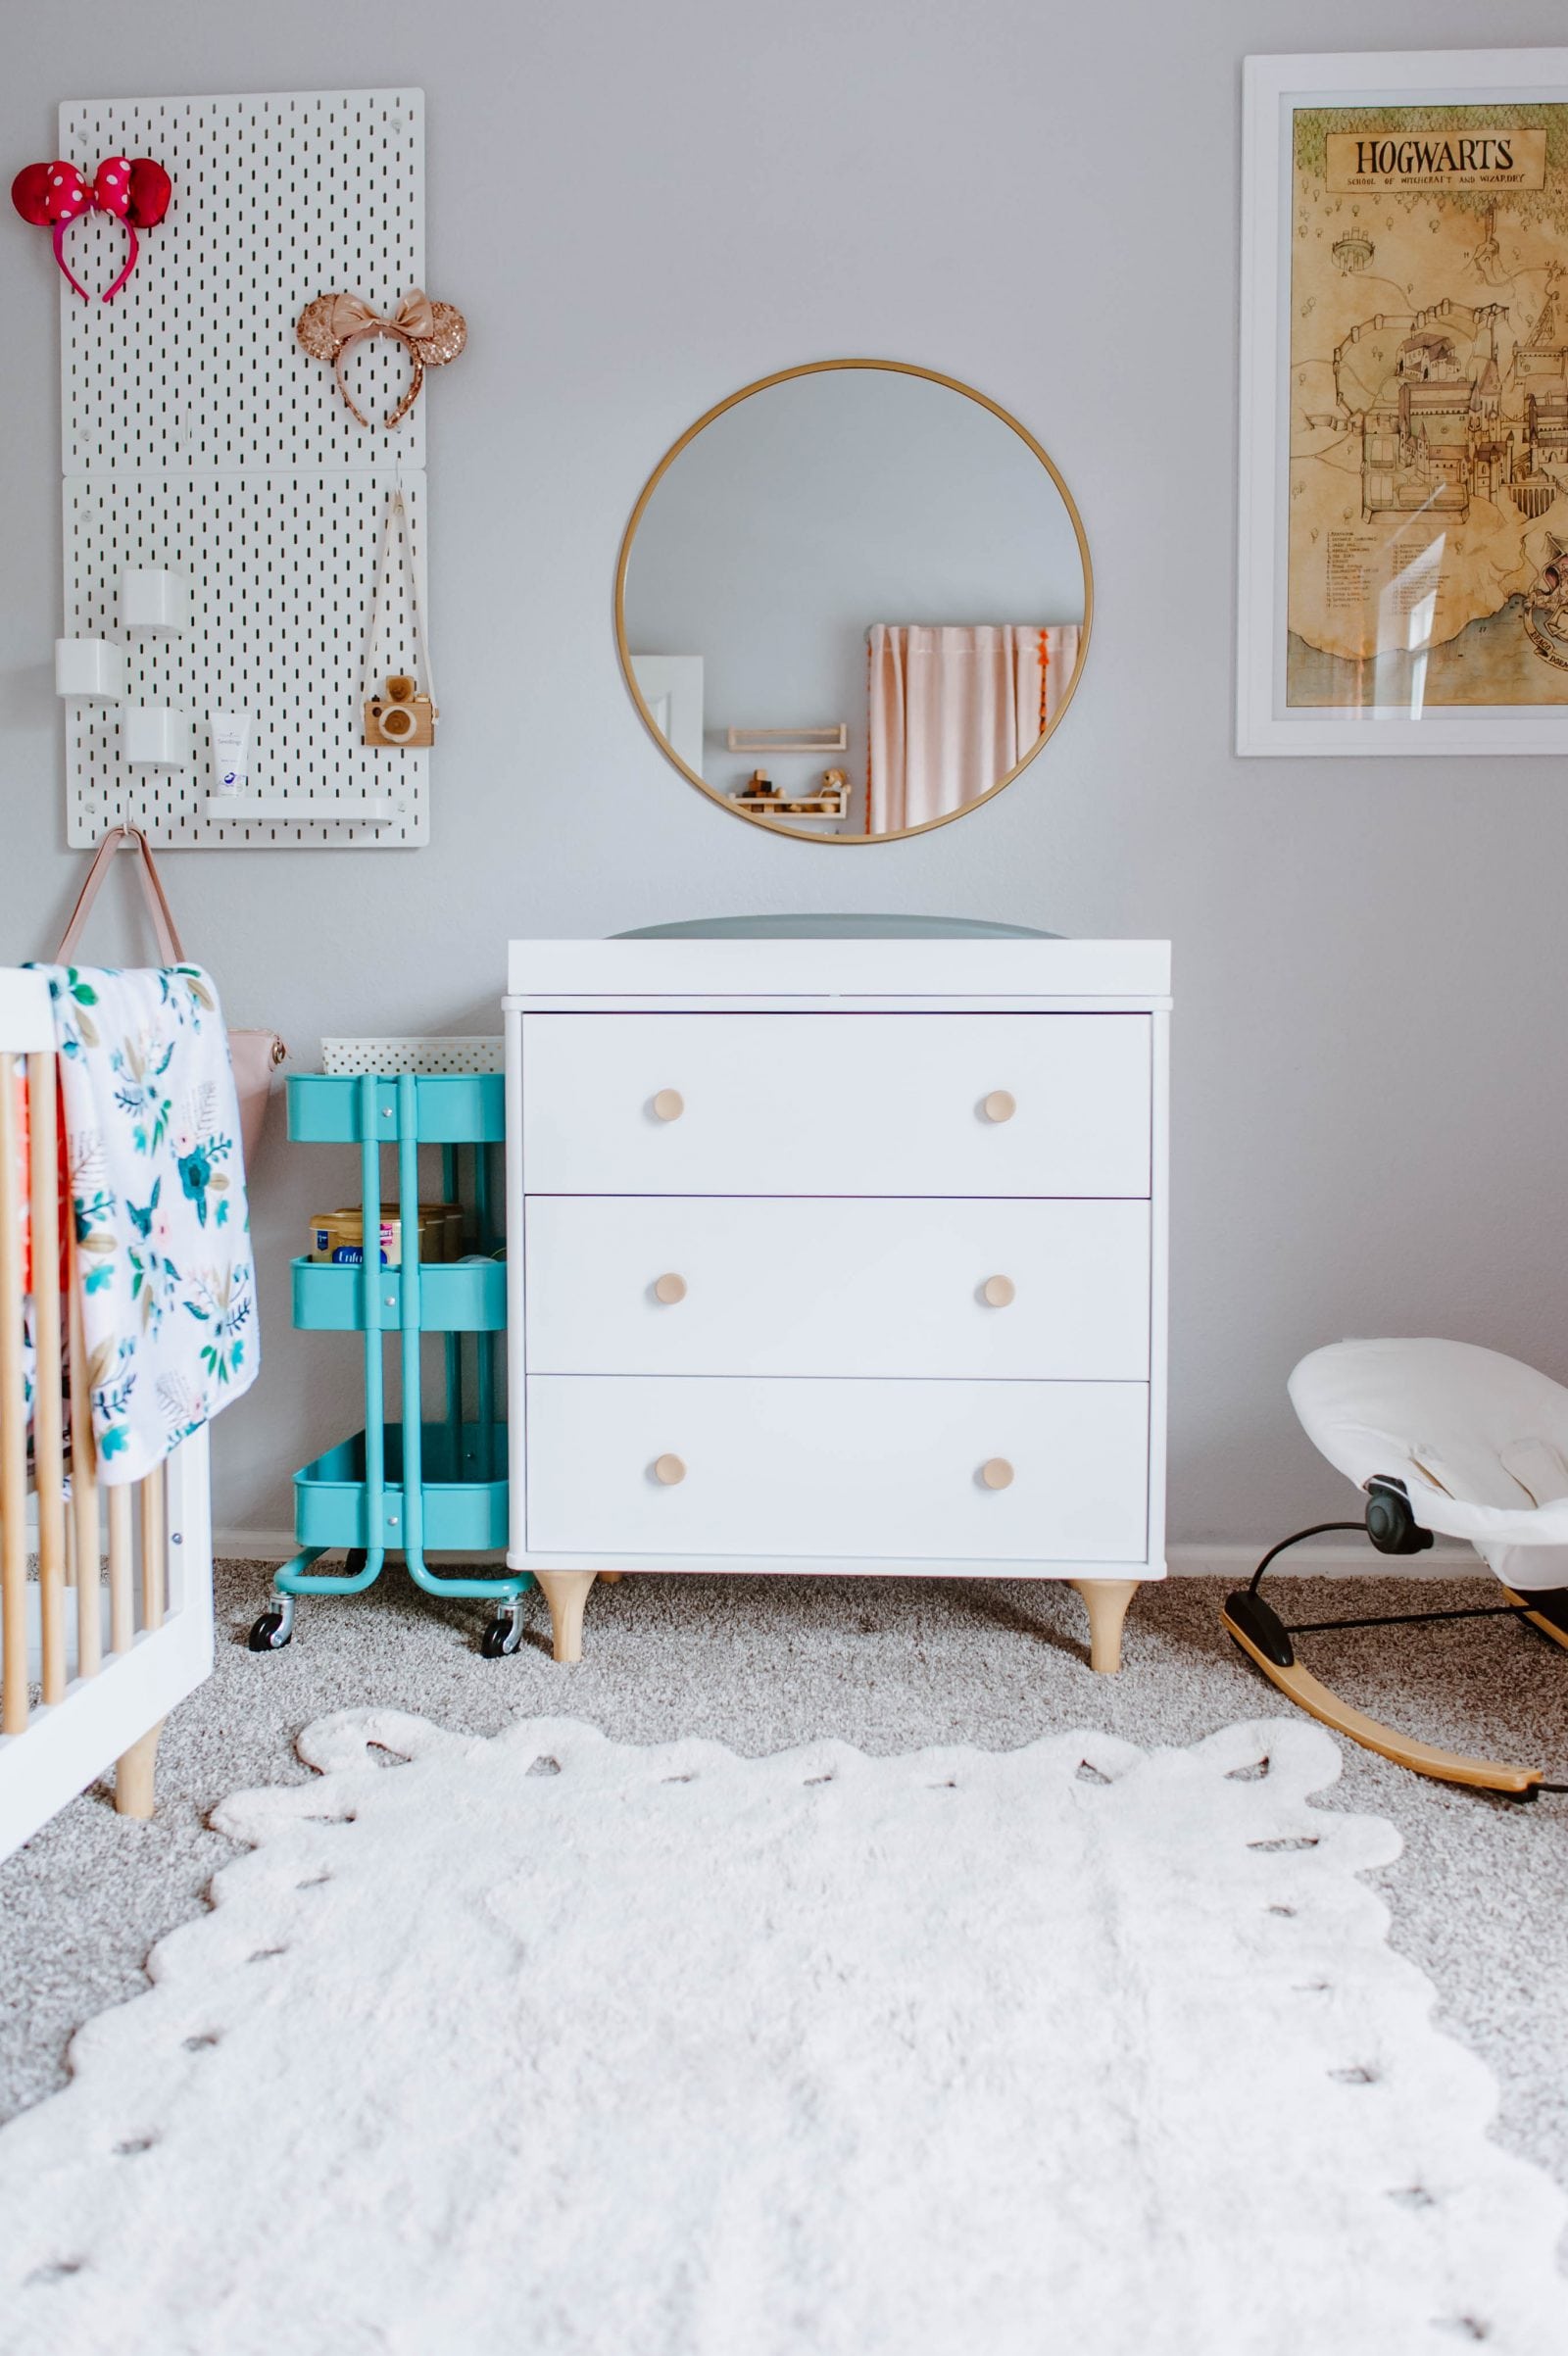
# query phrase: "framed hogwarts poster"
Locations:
[[1405, 404]]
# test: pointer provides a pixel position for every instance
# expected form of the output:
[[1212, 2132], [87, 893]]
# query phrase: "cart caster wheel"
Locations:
[[502, 1635], [269, 1635], [354, 1562]]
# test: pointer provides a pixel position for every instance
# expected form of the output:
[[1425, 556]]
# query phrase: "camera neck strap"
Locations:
[[395, 534]]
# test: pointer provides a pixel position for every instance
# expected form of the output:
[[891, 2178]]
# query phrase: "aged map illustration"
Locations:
[[1429, 407]]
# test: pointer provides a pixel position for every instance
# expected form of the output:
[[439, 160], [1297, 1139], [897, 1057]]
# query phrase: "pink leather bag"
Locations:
[[254, 1055]]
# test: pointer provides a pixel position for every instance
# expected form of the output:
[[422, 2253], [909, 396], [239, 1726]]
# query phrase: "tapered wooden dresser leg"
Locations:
[[565, 1592], [133, 1775], [1107, 1600]]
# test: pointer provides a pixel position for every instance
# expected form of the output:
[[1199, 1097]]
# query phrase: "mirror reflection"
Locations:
[[853, 601]]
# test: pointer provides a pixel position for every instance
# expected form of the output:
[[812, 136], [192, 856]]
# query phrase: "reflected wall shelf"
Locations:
[[774, 805], [832, 739]]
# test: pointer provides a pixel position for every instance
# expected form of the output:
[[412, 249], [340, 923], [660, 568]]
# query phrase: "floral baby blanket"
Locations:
[[158, 1195]]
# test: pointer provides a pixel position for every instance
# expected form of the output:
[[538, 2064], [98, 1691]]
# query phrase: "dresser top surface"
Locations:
[[961, 969]]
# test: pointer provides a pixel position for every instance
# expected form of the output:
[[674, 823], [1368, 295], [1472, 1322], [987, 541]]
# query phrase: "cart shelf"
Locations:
[[449, 1108], [463, 1486], [456, 1297]]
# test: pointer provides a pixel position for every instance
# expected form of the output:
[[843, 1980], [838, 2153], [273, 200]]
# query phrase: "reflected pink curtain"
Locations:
[[953, 708]]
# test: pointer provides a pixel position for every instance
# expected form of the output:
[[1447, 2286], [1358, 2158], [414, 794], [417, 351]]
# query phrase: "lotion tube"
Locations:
[[231, 751]]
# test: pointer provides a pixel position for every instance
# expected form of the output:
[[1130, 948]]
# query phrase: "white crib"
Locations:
[[89, 1669]]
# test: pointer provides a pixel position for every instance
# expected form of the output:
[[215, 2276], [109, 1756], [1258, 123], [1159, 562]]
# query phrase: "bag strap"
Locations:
[[162, 914], [397, 513]]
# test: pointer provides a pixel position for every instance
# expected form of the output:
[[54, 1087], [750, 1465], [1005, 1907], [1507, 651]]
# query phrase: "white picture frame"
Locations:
[[1275, 89], [671, 687]]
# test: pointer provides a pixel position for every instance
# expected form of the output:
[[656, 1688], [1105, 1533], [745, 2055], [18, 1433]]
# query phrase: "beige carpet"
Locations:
[[1479, 1897]]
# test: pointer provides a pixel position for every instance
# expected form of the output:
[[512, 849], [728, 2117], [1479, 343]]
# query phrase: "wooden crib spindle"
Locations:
[[154, 1577], [134, 1768], [122, 1592], [48, 1419], [13, 1421], [83, 1488]]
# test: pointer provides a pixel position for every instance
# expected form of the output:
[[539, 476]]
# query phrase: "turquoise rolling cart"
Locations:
[[400, 1487]]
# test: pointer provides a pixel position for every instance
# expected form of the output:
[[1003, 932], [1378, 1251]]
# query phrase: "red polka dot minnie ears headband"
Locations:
[[431, 334], [54, 195]]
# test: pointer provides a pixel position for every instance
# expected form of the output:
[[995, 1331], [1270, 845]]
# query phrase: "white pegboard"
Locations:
[[197, 435], [276, 200], [281, 569]]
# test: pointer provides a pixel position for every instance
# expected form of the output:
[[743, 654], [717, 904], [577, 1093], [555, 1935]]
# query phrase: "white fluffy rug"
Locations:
[[549, 2044]]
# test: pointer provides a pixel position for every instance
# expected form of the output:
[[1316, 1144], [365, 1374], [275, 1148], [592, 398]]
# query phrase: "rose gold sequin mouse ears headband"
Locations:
[[432, 332]]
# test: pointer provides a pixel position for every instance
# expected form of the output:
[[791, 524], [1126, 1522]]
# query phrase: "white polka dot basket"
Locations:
[[341, 1057]]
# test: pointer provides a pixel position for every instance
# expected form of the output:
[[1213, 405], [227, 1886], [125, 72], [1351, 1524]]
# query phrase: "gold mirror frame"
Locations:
[[822, 368]]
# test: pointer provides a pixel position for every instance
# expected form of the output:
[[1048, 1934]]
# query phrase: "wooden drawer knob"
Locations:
[[998, 1292], [1000, 1106], [668, 1105], [997, 1473], [669, 1470], [670, 1289]]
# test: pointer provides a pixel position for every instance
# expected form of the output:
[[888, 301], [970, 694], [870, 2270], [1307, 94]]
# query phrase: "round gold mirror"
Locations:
[[853, 601]]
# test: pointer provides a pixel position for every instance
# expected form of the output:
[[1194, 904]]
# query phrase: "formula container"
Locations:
[[339, 1235]]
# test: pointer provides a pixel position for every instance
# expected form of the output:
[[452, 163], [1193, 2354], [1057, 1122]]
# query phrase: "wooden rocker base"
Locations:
[[1543, 1611], [1310, 1693]]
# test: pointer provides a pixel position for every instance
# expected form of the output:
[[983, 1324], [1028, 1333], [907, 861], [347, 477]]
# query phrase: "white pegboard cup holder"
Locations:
[[156, 736], [154, 603], [90, 671]]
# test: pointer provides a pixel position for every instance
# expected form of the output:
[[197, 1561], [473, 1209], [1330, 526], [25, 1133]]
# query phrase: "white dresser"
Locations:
[[844, 1256]]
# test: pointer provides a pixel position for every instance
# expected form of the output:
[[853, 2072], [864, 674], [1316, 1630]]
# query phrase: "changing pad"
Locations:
[[836, 928]]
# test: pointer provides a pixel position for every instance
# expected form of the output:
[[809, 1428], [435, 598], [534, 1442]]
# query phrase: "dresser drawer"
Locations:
[[938, 1104], [770, 1285], [838, 1470]]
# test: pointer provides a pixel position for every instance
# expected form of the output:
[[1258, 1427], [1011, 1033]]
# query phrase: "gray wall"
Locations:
[[823, 505], [1371, 1122]]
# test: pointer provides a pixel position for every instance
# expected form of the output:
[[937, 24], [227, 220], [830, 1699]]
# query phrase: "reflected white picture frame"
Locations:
[[1273, 89], [671, 687]]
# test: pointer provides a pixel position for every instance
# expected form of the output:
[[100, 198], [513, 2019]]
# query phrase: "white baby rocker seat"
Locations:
[[1439, 1436]]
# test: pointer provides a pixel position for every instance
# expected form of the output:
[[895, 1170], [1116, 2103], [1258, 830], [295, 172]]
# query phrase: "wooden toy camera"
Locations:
[[401, 716]]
